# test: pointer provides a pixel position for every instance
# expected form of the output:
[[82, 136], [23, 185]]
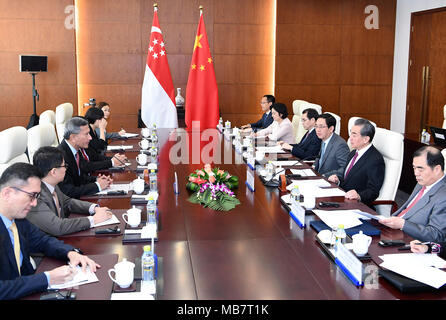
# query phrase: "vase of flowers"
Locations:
[[213, 188]]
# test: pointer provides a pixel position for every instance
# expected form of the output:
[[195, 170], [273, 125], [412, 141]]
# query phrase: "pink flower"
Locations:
[[211, 179], [207, 168], [200, 173], [220, 172]]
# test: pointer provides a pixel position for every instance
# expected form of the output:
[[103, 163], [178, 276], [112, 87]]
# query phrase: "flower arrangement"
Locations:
[[213, 188]]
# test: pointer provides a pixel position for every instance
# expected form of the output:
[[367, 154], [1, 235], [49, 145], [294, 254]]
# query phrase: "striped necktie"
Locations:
[[15, 232], [420, 194]]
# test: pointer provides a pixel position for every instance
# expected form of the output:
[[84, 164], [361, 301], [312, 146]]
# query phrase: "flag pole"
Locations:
[[201, 9], [155, 6]]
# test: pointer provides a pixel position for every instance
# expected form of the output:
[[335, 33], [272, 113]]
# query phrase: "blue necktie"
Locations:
[[322, 152]]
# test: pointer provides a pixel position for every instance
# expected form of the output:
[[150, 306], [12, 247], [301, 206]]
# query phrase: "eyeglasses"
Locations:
[[64, 166], [32, 195], [303, 119], [264, 102], [320, 127]]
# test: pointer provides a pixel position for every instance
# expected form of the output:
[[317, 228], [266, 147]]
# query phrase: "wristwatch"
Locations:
[[78, 251]]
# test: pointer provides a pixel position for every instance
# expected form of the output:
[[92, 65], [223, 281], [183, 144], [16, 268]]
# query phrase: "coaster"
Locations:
[[117, 288]]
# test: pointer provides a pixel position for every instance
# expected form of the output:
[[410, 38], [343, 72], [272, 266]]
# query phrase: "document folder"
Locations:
[[405, 284], [365, 227]]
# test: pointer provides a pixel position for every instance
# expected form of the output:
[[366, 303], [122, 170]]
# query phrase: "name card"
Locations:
[[149, 231], [349, 264], [250, 179], [297, 213]]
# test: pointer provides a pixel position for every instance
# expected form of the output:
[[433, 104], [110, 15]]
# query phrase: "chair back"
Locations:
[[444, 116], [338, 122], [13, 142], [298, 107], [42, 135], [64, 112], [48, 116], [391, 146]]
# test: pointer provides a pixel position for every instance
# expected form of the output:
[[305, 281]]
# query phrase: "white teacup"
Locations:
[[145, 132], [138, 185], [246, 142], [141, 158], [144, 144], [260, 156], [361, 243], [132, 217], [124, 273]]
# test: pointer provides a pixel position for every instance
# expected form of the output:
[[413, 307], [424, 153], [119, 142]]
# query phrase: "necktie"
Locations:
[[420, 194], [351, 164], [84, 154], [15, 232], [305, 136], [77, 161], [322, 153], [56, 202]]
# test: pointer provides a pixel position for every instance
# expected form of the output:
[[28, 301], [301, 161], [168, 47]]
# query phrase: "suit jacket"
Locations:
[[335, 157], [308, 148], [426, 220], [366, 176], [74, 184], [263, 123], [44, 214], [96, 159], [13, 285]]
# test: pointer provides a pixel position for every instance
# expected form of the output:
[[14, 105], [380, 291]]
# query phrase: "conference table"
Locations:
[[254, 252]]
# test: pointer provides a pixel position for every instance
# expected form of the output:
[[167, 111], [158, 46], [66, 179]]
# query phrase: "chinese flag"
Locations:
[[201, 92]]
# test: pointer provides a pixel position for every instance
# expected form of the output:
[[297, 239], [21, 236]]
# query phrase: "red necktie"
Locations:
[[84, 154], [351, 164], [77, 161], [420, 194]]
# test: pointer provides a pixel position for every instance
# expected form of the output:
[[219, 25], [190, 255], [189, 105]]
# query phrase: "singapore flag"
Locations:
[[158, 99]]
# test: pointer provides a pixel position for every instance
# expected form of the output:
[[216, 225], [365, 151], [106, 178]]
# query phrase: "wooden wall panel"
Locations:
[[325, 55], [35, 27]]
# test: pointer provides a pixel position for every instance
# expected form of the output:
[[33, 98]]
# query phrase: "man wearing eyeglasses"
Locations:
[[19, 191], [267, 118], [334, 150], [54, 207]]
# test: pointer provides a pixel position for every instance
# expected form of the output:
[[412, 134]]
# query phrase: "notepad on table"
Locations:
[[122, 147]]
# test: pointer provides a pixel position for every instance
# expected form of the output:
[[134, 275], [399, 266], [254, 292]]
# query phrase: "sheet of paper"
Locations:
[[130, 135], [313, 183], [111, 148], [286, 163], [80, 278], [126, 187], [368, 216], [334, 218], [276, 149], [286, 198], [420, 259], [330, 192], [112, 220], [428, 275], [303, 172]]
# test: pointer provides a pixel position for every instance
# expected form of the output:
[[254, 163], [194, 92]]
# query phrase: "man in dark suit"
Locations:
[[423, 215], [309, 146], [77, 182], [267, 119], [54, 207], [334, 150], [363, 176], [19, 191]]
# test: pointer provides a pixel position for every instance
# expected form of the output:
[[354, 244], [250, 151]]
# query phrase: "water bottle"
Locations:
[[151, 210], [269, 170], [220, 123], [333, 238], [423, 136], [154, 139], [340, 237], [154, 130], [153, 180], [153, 154], [148, 265], [295, 195], [427, 138]]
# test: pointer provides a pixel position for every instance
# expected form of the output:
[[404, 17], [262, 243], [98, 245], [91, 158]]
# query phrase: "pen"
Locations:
[[119, 161], [421, 243]]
